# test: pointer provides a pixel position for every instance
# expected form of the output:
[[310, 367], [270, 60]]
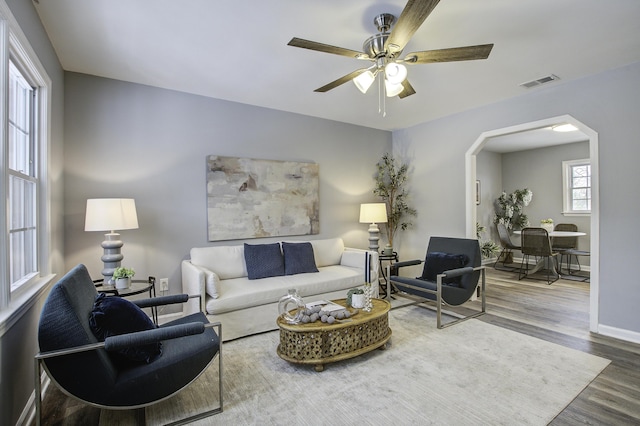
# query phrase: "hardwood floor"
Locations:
[[558, 313]]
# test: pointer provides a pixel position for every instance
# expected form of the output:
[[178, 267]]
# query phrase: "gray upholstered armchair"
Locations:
[[125, 371], [450, 275]]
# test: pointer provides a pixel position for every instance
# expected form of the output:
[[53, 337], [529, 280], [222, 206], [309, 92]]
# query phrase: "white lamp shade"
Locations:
[[373, 213], [110, 214], [393, 89], [395, 73], [364, 81]]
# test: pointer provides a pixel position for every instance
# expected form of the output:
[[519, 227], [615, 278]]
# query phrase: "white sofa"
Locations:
[[247, 306]]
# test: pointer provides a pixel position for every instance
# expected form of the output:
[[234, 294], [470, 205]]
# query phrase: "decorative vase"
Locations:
[[289, 303], [122, 283], [388, 250], [547, 226], [357, 301], [368, 292]]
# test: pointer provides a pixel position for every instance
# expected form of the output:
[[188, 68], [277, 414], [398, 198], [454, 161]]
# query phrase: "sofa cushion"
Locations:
[[354, 258], [112, 316], [298, 258], [328, 251], [263, 260], [226, 261], [438, 262], [241, 293], [212, 284]]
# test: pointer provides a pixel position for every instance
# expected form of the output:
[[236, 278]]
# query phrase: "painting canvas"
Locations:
[[251, 198]]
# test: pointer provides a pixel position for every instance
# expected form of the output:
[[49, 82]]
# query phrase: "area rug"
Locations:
[[472, 373]]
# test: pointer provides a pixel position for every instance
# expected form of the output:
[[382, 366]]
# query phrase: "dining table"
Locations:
[[541, 262]]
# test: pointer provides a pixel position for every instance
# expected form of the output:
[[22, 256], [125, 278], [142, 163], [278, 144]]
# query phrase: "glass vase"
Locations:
[[368, 293], [291, 307]]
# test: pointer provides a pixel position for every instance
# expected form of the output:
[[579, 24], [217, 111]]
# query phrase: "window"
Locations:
[[25, 262], [577, 186], [23, 181]]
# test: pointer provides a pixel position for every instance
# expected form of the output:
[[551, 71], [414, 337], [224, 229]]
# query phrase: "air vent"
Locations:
[[538, 82]]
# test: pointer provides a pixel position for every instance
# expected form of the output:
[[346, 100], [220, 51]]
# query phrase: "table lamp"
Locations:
[[373, 213], [111, 214]]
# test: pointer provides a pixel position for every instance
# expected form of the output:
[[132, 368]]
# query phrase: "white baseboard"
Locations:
[[619, 333]]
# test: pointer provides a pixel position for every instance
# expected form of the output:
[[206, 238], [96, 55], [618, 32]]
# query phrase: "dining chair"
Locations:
[[505, 242], [535, 242], [567, 246]]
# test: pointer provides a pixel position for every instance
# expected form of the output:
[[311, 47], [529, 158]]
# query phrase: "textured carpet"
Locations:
[[472, 373]]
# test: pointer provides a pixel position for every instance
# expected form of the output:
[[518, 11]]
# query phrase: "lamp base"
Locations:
[[374, 237], [112, 256]]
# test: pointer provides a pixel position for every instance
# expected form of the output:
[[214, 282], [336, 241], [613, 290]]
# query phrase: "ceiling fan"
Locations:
[[384, 50]]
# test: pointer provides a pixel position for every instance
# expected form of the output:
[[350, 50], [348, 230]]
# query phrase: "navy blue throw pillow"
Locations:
[[438, 262], [112, 316], [263, 260], [298, 258]]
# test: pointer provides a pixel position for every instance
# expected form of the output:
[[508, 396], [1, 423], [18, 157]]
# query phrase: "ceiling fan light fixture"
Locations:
[[364, 81], [395, 73], [564, 128], [393, 89]]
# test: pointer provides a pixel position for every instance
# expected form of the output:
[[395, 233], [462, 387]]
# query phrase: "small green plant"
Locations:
[[547, 221], [122, 272], [351, 293], [489, 249]]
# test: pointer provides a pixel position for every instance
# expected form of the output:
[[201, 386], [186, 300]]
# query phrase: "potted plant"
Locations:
[[489, 248], [391, 179], [355, 298], [509, 209], [122, 277], [547, 224]]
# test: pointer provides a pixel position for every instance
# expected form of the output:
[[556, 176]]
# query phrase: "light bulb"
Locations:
[[393, 89], [395, 73], [364, 81]]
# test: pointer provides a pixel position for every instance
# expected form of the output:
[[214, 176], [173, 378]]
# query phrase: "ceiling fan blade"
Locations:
[[327, 48], [408, 90], [466, 53], [340, 81], [412, 16]]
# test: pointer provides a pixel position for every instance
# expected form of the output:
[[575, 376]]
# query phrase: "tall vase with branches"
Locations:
[[509, 209], [391, 179]]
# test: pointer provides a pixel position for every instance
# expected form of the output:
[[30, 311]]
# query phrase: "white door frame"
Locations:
[[594, 233]]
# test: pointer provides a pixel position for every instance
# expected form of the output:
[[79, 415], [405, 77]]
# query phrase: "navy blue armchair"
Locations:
[[84, 367], [452, 269]]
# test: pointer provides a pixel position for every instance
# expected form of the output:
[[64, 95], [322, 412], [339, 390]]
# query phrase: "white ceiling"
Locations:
[[237, 50], [532, 139]]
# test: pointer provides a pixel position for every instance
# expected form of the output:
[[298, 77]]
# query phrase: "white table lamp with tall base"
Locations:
[[373, 213], [111, 214]]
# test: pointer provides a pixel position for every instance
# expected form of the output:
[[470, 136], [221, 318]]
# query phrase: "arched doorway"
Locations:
[[470, 170]]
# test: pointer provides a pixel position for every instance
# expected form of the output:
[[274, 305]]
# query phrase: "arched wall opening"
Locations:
[[470, 196]]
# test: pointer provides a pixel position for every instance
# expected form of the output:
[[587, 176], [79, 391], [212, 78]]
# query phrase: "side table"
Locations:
[[137, 287], [383, 281]]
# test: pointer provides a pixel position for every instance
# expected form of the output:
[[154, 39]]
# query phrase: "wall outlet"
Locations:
[[164, 284]]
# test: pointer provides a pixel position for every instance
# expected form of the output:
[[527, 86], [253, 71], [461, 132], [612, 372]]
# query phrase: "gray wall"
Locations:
[[130, 140], [18, 344], [541, 171], [608, 103]]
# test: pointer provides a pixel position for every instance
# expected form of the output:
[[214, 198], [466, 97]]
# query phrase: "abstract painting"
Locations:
[[251, 198]]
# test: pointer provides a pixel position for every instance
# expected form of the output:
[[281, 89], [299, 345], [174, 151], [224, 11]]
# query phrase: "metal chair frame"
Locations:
[[506, 243], [536, 242]]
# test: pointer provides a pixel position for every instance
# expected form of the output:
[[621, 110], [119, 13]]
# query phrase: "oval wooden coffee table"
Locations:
[[320, 343]]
